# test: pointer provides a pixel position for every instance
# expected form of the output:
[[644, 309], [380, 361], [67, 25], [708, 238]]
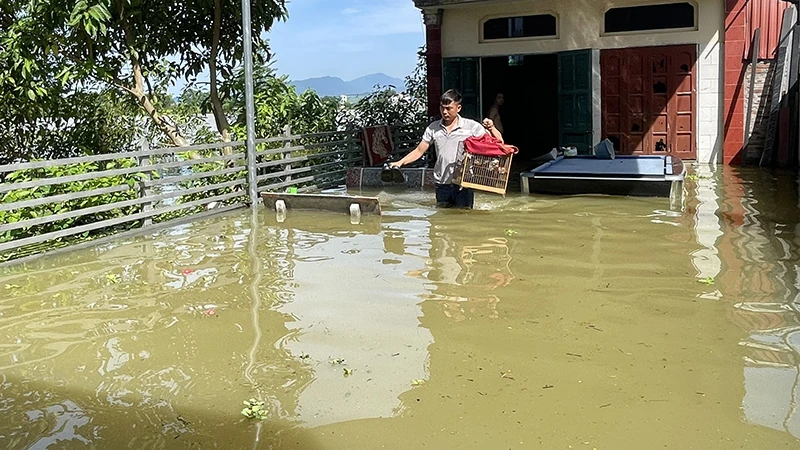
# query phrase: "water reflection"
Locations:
[[756, 255], [368, 325], [459, 262], [708, 229]]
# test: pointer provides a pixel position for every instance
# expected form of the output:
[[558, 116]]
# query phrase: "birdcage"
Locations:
[[486, 173]]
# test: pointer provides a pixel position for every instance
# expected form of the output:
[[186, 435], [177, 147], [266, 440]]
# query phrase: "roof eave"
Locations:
[[440, 3]]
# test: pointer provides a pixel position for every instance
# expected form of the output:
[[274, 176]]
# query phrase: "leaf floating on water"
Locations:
[[511, 232], [707, 280], [254, 409], [347, 371], [417, 382]]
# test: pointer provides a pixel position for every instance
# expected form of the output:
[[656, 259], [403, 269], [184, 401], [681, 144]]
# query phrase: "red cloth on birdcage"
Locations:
[[488, 145]]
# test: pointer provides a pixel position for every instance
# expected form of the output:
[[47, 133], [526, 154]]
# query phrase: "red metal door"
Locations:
[[649, 98]]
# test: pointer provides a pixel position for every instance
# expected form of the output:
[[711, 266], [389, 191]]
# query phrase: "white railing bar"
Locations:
[[285, 183], [63, 197], [113, 156], [111, 222], [296, 148], [279, 162], [111, 206], [194, 176], [123, 234], [5, 187], [283, 173]]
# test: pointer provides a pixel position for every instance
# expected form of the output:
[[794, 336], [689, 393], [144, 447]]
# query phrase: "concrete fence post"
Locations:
[[287, 132], [144, 185]]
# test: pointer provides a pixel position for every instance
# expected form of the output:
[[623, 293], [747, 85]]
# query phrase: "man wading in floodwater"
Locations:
[[449, 134]]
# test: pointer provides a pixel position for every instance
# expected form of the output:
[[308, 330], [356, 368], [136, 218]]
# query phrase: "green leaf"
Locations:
[[31, 94]]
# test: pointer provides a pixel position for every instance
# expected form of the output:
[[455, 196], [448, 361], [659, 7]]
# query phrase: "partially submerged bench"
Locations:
[[355, 206]]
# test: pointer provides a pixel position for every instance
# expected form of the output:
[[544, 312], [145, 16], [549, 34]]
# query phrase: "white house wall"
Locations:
[[580, 26]]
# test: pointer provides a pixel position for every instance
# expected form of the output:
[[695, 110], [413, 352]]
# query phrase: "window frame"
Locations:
[[482, 23], [695, 27]]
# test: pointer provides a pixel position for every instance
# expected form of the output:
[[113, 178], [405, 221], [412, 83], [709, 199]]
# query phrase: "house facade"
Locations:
[[653, 76]]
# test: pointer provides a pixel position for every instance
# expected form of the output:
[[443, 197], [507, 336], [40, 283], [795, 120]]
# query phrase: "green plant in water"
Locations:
[[254, 409], [707, 280]]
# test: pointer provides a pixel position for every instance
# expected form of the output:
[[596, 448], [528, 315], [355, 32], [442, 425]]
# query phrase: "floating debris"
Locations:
[[417, 382], [254, 409], [337, 361], [511, 232], [348, 371], [707, 280], [187, 271]]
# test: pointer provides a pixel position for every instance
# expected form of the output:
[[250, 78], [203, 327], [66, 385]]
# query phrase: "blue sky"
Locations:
[[347, 38]]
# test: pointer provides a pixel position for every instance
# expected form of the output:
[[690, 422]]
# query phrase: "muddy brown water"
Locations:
[[533, 322]]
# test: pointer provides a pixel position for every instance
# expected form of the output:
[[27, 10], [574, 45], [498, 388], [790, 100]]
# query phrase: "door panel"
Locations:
[[575, 100], [463, 74], [649, 99]]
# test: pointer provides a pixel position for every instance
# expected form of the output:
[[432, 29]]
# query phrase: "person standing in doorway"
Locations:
[[494, 111], [449, 134]]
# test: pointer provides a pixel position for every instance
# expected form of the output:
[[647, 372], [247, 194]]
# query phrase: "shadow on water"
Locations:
[[47, 414]]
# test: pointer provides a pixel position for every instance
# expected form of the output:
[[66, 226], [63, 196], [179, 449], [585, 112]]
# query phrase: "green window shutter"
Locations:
[[575, 100], [463, 74]]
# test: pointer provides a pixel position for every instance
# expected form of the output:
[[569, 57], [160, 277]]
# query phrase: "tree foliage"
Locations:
[[92, 76], [135, 46], [278, 105]]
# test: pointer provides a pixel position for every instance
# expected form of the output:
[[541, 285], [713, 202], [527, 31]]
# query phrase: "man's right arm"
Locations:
[[414, 155]]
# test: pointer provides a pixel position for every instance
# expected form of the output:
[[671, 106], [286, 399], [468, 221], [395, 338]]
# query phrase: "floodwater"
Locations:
[[533, 322]]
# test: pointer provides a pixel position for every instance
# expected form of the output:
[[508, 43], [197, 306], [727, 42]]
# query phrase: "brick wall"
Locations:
[[735, 43], [759, 114]]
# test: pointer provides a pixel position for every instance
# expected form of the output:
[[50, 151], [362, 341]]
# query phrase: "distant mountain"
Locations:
[[333, 86]]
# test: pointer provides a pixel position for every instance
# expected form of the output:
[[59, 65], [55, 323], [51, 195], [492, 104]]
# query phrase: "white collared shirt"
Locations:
[[450, 146]]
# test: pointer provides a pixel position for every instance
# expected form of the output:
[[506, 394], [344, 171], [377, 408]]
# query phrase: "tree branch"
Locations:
[[216, 104]]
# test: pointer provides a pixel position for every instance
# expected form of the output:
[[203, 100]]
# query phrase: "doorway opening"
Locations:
[[530, 112]]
